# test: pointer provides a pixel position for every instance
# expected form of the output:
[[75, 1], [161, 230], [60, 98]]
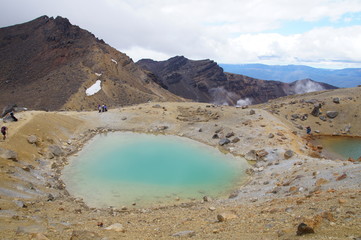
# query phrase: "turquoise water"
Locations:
[[343, 147], [124, 168]]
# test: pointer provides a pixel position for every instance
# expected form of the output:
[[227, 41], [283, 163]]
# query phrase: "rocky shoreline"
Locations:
[[287, 186]]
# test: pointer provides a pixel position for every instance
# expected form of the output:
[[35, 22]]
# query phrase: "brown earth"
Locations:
[[280, 193]]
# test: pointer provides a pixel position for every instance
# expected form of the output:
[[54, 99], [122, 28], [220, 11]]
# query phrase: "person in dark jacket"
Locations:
[[4, 132]]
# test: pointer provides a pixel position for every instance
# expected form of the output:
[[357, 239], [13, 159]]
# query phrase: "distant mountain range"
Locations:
[[344, 78]]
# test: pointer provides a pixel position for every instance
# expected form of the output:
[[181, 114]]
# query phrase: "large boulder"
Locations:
[[8, 154], [55, 150], [316, 110]]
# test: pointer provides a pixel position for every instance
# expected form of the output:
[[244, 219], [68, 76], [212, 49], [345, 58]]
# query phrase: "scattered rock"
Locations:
[[212, 209], [229, 135], [184, 234], [234, 194], [250, 171], [271, 135], [116, 227], [218, 130], [275, 190], [224, 141], [252, 112], [8, 154], [226, 217], [156, 106], [329, 216], [251, 156], [323, 118], [215, 136], [343, 176], [235, 140], [288, 154], [304, 229], [331, 114], [336, 100], [261, 154], [32, 139], [38, 236], [162, 128], [207, 199], [124, 118], [321, 181], [20, 204], [55, 150], [84, 235], [50, 197]]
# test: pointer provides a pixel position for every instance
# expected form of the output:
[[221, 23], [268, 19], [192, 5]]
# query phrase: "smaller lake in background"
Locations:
[[121, 168], [340, 146]]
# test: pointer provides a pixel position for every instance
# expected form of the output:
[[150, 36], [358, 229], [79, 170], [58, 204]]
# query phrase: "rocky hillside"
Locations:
[[205, 81], [50, 64]]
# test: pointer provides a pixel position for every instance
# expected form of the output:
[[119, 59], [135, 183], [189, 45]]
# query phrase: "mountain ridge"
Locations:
[[205, 81], [48, 63]]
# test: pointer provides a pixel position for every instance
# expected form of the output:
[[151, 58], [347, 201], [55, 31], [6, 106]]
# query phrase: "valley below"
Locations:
[[289, 180]]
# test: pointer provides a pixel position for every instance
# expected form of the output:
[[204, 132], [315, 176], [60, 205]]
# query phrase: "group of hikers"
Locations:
[[102, 108]]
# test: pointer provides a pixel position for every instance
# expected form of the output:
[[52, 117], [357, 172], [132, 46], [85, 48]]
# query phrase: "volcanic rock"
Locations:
[[331, 114], [304, 229]]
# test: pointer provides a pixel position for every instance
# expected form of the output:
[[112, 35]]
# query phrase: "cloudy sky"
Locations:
[[319, 33]]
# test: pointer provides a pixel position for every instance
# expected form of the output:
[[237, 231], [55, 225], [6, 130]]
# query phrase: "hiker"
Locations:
[[308, 129], [99, 108], [4, 132], [105, 108]]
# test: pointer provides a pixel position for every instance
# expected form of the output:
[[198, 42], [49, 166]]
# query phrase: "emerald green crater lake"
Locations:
[[121, 168]]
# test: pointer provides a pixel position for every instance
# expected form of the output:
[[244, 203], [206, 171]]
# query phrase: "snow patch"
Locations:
[[96, 87], [114, 61], [98, 74]]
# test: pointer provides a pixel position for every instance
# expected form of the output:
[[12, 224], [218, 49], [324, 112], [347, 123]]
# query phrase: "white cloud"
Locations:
[[230, 31]]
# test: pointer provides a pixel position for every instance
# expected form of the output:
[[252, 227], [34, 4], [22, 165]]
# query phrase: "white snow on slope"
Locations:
[[98, 74], [93, 89], [114, 61]]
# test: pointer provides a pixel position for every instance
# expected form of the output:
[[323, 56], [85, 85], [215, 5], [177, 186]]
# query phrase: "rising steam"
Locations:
[[244, 102], [221, 96], [306, 86]]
